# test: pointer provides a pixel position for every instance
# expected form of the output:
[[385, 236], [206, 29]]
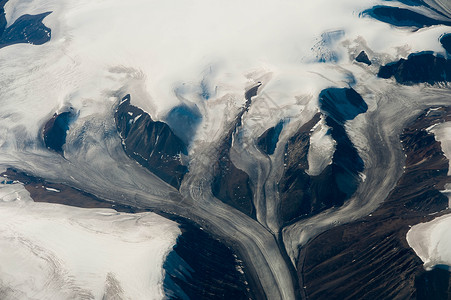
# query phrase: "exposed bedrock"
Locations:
[[363, 58], [267, 142], [55, 130], [230, 184], [43, 191], [151, 143], [295, 185], [445, 40], [434, 284], [268, 272], [346, 163], [402, 17], [341, 104], [418, 68], [26, 29], [2, 16], [200, 267], [304, 195], [442, 8], [370, 258]]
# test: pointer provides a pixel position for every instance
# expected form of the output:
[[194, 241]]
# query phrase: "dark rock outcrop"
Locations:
[[267, 142], [200, 267], [2, 17], [303, 195], [418, 68], [26, 29], [230, 184], [341, 104], [410, 2], [435, 284], [295, 184], [151, 143], [363, 58], [402, 17], [346, 164], [416, 3], [370, 258], [445, 40], [43, 191], [55, 131]]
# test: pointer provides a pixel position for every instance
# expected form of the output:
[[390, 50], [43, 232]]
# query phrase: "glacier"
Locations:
[[54, 251], [195, 62]]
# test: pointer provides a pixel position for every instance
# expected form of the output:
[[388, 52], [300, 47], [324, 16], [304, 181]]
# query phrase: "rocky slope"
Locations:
[[151, 143], [370, 258]]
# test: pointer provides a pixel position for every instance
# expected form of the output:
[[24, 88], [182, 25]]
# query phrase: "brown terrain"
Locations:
[[230, 184], [199, 264], [370, 258], [366, 259], [151, 143], [66, 195]]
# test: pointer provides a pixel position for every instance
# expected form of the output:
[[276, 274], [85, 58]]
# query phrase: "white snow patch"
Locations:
[[136, 118], [431, 241], [321, 150], [52, 251], [431, 127], [362, 177], [14, 192], [442, 134]]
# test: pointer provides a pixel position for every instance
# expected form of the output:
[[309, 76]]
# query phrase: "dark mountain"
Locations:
[[26, 29], [363, 58], [418, 68], [370, 258], [445, 40], [151, 143], [402, 17], [230, 184], [304, 195], [200, 267], [267, 142], [55, 131]]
